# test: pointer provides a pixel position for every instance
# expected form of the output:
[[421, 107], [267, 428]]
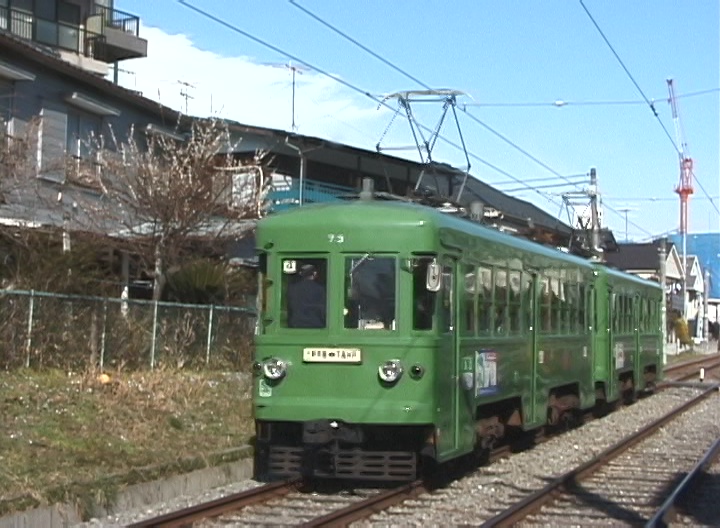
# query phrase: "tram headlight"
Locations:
[[390, 371], [274, 368]]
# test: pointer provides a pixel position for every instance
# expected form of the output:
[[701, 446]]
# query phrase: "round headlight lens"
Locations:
[[390, 371], [274, 368]]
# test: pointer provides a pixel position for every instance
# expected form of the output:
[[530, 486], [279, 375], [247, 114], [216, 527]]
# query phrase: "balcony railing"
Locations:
[[52, 33], [312, 192], [116, 19]]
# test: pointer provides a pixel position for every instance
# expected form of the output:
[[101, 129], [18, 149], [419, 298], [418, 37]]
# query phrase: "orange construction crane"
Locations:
[[685, 187]]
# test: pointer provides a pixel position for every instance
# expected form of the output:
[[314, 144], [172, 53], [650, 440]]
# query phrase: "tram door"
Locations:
[[447, 363]]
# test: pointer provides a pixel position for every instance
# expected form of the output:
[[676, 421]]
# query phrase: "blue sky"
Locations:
[[506, 56]]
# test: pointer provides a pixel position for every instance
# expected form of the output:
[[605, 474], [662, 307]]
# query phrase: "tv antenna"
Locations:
[[295, 70], [185, 86]]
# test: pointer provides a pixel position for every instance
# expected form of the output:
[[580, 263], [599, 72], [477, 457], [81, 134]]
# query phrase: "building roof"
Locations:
[[636, 257], [520, 210]]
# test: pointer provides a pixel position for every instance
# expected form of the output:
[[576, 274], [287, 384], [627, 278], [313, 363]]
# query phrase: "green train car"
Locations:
[[393, 337]]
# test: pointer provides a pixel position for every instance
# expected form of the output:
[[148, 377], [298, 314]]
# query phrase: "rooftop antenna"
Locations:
[[626, 210], [295, 70], [184, 92]]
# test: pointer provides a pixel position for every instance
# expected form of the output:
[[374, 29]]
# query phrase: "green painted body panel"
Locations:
[[348, 392], [460, 373]]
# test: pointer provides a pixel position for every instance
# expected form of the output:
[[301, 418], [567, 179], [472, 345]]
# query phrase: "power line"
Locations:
[[650, 104], [426, 86], [345, 83], [630, 76], [560, 102], [472, 117], [381, 102], [653, 199]]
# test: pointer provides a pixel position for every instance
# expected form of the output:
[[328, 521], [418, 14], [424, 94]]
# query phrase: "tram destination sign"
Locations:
[[332, 355]]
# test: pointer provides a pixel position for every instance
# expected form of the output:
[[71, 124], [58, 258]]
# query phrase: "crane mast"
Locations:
[[684, 188]]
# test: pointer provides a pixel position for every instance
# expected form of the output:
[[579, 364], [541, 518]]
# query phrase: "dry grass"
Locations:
[[65, 435]]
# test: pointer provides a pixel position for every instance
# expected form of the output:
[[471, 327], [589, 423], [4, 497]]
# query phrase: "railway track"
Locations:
[[696, 369], [295, 503], [286, 503], [694, 502], [625, 483]]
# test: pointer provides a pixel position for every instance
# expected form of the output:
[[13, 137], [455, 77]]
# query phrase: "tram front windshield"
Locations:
[[370, 292]]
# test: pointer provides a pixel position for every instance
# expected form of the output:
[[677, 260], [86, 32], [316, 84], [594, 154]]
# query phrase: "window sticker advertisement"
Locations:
[[486, 373]]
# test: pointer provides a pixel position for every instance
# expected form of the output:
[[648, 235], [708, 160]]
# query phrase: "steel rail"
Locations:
[[667, 512], [187, 516], [363, 509], [536, 500]]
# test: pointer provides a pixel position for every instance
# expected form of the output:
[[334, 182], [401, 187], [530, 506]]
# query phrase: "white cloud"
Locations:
[[241, 89]]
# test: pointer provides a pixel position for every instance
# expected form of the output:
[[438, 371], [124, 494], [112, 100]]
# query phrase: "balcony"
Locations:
[[121, 34], [284, 197], [109, 35]]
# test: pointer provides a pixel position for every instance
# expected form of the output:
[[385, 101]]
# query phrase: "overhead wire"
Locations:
[[560, 102], [650, 104], [378, 100], [471, 116]]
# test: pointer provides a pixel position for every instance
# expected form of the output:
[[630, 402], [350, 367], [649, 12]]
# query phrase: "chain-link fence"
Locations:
[[46, 330]]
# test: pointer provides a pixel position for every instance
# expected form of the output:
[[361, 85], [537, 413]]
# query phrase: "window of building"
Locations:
[[83, 133]]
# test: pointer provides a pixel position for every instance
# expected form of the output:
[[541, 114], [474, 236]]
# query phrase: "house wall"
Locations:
[[46, 97]]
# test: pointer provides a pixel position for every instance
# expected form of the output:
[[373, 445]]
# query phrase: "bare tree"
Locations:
[[163, 192], [16, 162]]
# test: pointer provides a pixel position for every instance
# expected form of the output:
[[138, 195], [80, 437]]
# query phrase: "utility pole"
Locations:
[[589, 199], [663, 285], [595, 219]]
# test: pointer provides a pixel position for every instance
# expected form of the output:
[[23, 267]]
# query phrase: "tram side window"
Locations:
[[515, 308], [564, 304], [627, 319], [370, 292], [545, 306], [469, 287], [642, 304], [304, 293], [485, 299], [501, 302], [423, 300], [582, 309]]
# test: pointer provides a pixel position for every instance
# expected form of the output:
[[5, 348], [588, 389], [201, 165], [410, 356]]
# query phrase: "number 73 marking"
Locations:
[[336, 238]]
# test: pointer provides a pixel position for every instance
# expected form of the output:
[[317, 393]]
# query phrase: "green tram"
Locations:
[[429, 337]]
